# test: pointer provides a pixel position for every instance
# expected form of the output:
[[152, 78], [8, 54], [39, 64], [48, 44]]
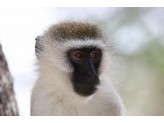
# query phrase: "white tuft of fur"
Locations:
[[56, 52], [53, 93]]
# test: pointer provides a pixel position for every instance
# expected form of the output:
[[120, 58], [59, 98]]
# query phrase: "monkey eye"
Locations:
[[94, 55], [76, 55], [79, 54]]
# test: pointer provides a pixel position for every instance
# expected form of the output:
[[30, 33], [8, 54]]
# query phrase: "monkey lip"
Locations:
[[93, 85], [85, 87]]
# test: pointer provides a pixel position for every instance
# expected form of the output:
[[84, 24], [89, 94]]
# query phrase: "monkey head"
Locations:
[[77, 48]]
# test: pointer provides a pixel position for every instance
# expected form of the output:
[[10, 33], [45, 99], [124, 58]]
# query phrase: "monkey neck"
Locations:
[[49, 94]]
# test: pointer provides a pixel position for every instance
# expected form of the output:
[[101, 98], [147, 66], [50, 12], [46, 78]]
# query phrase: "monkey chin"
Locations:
[[85, 91]]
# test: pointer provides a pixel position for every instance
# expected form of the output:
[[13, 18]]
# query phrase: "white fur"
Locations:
[[53, 93]]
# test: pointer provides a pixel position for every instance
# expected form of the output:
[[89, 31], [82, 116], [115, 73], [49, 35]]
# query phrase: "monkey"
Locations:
[[73, 62]]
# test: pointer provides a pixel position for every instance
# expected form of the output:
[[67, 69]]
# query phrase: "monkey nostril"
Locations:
[[91, 75]]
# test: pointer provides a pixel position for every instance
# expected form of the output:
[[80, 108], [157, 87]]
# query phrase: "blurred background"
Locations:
[[138, 34]]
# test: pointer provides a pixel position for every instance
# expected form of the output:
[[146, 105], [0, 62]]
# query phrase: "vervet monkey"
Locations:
[[73, 60]]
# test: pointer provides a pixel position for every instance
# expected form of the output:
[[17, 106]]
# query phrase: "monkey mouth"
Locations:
[[85, 90], [92, 86], [85, 87]]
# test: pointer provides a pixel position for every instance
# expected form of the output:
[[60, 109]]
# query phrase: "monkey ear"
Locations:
[[38, 47]]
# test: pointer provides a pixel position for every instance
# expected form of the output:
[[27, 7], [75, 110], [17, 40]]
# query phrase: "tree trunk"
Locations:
[[8, 104]]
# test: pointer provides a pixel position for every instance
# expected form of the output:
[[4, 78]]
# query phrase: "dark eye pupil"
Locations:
[[78, 55]]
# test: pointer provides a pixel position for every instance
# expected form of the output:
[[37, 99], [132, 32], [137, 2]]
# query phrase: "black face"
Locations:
[[86, 62]]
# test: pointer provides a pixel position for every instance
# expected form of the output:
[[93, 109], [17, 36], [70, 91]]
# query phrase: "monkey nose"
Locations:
[[91, 75]]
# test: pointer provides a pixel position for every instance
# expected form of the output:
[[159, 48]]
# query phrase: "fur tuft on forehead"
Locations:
[[67, 30], [55, 42]]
